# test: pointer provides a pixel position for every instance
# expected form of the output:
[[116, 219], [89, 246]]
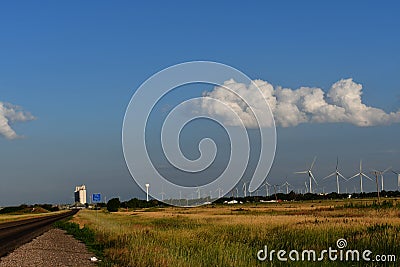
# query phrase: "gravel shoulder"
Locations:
[[53, 248]]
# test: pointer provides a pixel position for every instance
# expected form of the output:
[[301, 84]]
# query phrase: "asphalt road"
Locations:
[[16, 233]]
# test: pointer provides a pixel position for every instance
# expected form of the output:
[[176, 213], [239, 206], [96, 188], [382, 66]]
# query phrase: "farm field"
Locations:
[[232, 235]]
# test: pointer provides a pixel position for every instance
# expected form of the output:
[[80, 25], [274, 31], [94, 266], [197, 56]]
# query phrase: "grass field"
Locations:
[[223, 235]]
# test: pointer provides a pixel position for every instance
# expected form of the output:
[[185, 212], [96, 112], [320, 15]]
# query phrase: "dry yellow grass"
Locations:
[[224, 235]]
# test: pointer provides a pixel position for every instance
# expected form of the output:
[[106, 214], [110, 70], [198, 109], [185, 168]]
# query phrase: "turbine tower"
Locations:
[[147, 192], [219, 190], [162, 195], [310, 174], [198, 193], [267, 186], [287, 187], [337, 173], [398, 179], [244, 189], [361, 174]]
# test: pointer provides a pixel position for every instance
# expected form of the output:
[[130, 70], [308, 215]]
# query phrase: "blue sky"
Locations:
[[75, 65]]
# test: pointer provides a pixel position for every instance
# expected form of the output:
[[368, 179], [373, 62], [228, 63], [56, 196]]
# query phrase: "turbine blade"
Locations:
[[330, 175], [312, 165], [342, 176], [366, 176], [355, 175], [312, 176], [337, 162], [386, 169], [303, 172]]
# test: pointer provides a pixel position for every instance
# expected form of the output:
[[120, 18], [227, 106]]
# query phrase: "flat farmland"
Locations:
[[233, 235]]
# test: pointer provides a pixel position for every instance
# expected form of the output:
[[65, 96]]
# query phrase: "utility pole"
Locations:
[[377, 185], [276, 197]]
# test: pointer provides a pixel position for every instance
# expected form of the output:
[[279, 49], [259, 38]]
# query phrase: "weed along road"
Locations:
[[14, 234]]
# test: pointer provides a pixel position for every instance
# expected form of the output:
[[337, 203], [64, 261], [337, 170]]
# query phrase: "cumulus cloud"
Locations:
[[290, 107], [10, 114]]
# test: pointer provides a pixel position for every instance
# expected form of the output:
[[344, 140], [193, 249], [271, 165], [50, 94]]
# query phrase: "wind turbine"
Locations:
[[280, 188], [361, 174], [198, 193], [267, 186], [244, 189], [147, 192], [337, 173], [162, 195], [398, 178], [381, 174], [219, 192], [310, 174], [287, 187]]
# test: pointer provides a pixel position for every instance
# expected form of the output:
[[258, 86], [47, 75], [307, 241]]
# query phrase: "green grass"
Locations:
[[386, 204]]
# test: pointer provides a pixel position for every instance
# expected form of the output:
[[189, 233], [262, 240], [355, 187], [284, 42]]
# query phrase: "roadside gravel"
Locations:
[[53, 248]]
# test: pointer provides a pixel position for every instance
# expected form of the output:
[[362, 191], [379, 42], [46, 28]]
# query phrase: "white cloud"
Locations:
[[9, 114], [291, 107]]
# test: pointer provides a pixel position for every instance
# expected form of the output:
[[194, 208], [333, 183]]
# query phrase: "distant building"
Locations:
[[80, 194]]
